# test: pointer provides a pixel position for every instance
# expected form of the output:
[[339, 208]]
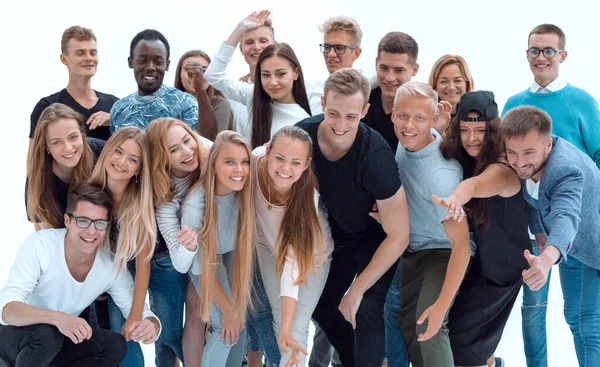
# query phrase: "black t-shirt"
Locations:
[[61, 189], [350, 185], [105, 102], [379, 121]]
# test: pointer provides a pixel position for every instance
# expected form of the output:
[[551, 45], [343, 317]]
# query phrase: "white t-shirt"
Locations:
[[40, 278], [533, 188]]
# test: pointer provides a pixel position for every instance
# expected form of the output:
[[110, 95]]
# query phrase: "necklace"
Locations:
[[270, 206]]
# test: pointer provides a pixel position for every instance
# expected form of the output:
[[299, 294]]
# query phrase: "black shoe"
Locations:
[[499, 362]]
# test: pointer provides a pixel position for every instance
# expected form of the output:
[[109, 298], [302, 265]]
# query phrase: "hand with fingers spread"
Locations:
[[144, 331], [254, 20], [188, 238], [74, 328], [445, 110], [231, 326], [245, 78], [350, 304], [536, 276], [286, 342], [455, 210], [99, 118], [434, 315], [195, 72]]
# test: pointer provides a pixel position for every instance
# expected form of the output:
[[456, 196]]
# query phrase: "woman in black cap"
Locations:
[[496, 210]]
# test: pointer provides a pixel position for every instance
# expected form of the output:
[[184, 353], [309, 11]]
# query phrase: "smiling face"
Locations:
[[125, 161], [277, 77], [544, 70], [232, 168], [253, 43], [65, 142], [413, 118], [334, 61], [85, 241], [287, 160], [451, 84], [149, 64], [393, 70], [185, 79], [342, 117], [183, 151], [472, 135], [528, 154], [81, 58]]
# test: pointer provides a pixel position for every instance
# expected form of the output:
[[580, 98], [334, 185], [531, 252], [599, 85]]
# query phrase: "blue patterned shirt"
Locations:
[[139, 111]]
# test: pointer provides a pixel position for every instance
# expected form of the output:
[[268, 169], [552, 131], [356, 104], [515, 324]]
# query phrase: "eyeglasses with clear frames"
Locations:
[[84, 222], [549, 52], [338, 49]]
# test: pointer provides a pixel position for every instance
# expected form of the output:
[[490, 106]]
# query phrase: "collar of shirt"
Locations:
[[556, 85]]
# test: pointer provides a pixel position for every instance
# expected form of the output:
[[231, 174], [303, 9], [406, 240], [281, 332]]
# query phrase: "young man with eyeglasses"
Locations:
[[56, 275], [576, 117]]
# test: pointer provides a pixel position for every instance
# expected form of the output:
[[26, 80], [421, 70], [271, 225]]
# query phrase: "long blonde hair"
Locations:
[[41, 198], [300, 228], [157, 132], [136, 221], [245, 232]]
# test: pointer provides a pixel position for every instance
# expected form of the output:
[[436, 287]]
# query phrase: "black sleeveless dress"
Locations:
[[492, 284]]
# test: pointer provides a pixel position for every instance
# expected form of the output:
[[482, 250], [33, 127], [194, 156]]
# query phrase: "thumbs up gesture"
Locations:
[[536, 276]]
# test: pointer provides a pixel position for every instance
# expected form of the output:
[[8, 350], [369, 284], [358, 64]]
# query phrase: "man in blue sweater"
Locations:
[[576, 118], [562, 187]]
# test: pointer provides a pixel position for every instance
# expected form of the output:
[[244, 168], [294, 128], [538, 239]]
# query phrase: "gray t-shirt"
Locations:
[[425, 173]]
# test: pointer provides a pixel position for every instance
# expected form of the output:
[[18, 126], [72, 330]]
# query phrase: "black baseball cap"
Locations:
[[482, 102]]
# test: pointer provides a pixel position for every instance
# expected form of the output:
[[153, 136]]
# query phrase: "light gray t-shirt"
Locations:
[[425, 173], [192, 215]]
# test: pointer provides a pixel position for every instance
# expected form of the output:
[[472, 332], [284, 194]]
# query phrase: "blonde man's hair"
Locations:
[[414, 89], [346, 24]]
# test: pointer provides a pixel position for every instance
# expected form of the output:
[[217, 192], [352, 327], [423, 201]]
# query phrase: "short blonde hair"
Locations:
[[347, 82], [346, 24], [414, 89]]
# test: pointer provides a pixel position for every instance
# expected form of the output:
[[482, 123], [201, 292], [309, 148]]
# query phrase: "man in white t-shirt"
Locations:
[[58, 273]]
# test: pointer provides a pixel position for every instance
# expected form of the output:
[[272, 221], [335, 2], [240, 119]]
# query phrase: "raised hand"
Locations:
[[195, 72], [455, 210], [445, 109], [74, 328], [254, 20]]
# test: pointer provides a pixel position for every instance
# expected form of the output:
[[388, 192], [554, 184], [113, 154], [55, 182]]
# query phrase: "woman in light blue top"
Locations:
[[221, 208]]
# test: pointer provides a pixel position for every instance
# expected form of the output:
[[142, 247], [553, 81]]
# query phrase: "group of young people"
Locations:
[[393, 214]]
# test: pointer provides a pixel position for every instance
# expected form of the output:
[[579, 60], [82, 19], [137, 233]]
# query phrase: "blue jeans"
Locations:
[[167, 288], [260, 321], [397, 354]]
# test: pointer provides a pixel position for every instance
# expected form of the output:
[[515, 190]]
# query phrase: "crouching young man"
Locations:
[[58, 273]]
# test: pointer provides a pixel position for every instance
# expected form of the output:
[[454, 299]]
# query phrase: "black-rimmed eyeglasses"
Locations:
[[549, 52], [84, 222], [338, 49]]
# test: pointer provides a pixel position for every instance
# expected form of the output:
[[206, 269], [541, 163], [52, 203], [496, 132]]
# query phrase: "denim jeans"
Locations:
[[260, 321], [397, 354], [167, 288], [43, 345]]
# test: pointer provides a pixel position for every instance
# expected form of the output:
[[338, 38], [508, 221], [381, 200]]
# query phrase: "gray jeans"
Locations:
[[308, 297]]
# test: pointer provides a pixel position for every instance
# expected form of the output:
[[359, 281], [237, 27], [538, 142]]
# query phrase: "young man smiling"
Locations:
[[562, 187], [56, 275], [149, 58], [576, 117]]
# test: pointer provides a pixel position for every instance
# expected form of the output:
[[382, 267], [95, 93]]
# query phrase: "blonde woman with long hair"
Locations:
[[294, 242], [221, 209], [177, 157], [124, 170], [62, 157]]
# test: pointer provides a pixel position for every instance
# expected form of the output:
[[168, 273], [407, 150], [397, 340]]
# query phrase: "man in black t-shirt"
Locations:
[[396, 64], [79, 55], [356, 169]]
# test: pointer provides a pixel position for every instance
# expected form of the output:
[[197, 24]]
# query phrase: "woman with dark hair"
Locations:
[[496, 211], [183, 82], [279, 99]]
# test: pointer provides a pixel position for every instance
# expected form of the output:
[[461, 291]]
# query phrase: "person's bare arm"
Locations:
[[393, 216], [140, 288], [207, 121]]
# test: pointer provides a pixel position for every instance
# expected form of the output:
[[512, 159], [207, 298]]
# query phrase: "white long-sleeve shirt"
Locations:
[[40, 278], [268, 223], [283, 114]]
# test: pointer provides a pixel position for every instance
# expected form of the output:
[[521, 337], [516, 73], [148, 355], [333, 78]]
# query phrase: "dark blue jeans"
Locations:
[[397, 354], [167, 288]]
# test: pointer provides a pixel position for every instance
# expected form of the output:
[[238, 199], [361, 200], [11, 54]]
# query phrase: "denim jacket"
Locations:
[[568, 207]]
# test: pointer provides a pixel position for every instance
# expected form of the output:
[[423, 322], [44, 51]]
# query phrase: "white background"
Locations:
[[491, 36]]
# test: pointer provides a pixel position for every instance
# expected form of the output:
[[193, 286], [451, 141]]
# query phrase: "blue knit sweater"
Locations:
[[575, 116]]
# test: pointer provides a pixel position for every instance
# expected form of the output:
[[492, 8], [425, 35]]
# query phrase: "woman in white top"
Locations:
[[278, 98], [294, 242]]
